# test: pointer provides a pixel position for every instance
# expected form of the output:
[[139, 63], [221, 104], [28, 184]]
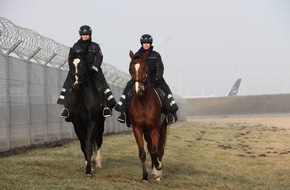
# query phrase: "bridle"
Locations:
[[143, 80]]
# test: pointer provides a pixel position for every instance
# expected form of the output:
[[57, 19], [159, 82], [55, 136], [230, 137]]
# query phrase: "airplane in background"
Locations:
[[232, 92], [235, 89]]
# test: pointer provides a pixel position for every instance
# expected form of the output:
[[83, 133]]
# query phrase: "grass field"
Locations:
[[222, 153]]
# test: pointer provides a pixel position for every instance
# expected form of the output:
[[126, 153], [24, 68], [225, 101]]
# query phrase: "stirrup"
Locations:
[[122, 118], [170, 119], [62, 113], [107, 112]]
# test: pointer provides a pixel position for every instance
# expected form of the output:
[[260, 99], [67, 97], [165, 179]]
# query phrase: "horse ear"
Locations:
[[131, 54]]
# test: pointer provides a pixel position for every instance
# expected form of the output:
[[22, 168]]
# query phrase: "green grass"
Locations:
[[198, 155]]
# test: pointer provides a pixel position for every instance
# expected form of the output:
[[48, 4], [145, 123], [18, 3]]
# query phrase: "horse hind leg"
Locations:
[[154, 151], [99, 142], [161, 144], [142, 156], [89, 164], [96, 158], [162, 140], [157, 174], [90, 146], [149, 145]]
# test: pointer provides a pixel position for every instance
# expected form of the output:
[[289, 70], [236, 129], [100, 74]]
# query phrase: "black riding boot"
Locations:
[[63, 97], [122, 117], [110, 101], [122, 104], [171, 118], [120, 107], [64, 113], [172, 108]]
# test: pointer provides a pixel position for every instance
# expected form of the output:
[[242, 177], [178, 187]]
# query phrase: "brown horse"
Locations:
[[145, 116]]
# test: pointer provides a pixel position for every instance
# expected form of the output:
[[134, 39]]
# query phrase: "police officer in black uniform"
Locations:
[[94, 60], [156, 68]]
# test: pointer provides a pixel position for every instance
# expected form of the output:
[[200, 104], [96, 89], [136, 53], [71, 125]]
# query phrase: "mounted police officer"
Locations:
[[94, 58], [156, 68]]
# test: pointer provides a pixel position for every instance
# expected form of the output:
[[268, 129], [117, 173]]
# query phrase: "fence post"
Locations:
[[8, 102], [28, 78]]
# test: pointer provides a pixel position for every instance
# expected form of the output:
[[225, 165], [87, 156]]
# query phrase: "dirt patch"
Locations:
[[249, 136], [279, 121]]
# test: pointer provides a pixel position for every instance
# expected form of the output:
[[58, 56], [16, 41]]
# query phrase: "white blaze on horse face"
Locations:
[[76, 62], [137, 86]]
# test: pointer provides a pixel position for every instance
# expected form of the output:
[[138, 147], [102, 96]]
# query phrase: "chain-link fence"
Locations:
[[32, 71]]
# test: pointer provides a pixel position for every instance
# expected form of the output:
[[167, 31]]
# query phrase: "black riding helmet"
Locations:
[[85, 30], [146, 38]]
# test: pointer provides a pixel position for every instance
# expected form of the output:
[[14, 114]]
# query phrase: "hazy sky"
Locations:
[[205, 45]]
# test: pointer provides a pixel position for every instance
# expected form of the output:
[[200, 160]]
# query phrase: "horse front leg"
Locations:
[[89, 148], [97, 158], [142, 154], [147, 138], [82, 138]]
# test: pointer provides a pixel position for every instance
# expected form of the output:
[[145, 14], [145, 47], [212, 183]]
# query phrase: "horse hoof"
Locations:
[[145, 180], [145, 177], [98, 165], [89, 175], [158, 179], [157, 174]]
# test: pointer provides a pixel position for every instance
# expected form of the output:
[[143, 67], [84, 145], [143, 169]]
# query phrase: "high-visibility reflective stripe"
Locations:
[[106, 91], [110, 97]]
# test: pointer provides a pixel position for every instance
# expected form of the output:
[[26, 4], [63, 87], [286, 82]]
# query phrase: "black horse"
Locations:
[[85, 106]]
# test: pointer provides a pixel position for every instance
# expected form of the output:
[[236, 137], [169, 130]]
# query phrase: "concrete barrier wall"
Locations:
[[238, 105], [181, 113], [29, 114]]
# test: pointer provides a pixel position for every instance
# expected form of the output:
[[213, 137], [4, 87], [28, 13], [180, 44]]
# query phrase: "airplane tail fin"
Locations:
[[235, 89]]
